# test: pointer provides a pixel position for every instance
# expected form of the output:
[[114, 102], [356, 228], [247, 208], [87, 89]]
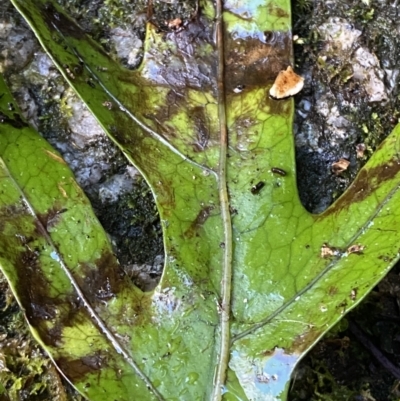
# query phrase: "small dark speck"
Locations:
[[255, 189], [278, 171], [268, 36]]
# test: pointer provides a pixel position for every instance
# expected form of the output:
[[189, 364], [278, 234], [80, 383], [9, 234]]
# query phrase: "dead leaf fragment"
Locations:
[[355, 249], [327, 251], [340, 166], [174, 24], [360, 149], [286, 84]]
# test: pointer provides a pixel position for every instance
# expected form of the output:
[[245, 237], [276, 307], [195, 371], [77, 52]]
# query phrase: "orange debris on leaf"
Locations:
[[286, 84]]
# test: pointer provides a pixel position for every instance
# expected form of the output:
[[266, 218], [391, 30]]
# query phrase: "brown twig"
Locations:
[[374, 350]]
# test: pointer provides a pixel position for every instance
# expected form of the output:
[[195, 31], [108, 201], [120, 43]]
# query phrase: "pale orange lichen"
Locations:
[[286, 84]]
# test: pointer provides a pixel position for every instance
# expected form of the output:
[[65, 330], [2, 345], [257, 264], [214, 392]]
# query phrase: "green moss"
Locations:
[[134, 225], [26, 372]]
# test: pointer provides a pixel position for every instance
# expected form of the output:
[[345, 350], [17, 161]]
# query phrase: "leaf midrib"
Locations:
[[226, 279]]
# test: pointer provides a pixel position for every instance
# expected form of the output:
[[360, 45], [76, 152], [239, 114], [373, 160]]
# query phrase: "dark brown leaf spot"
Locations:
[[77, 369], [201, 129], [16, 122], [103, 280], [303, 341], [333, 290], [33, 290], [254, 63], [200, 219], [50, 219], [54, 20]]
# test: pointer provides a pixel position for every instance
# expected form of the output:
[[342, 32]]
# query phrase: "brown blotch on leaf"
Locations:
[[50, 219], [365, 183], [254, 63], [201, 129], [388, 258], [279, 108], [33, 290], [198, 222], [303, 341], [277, 11], [77, 369], [340, 166], [269, 352], [102, 280], [286, 84], [55, 19], [333, 290]]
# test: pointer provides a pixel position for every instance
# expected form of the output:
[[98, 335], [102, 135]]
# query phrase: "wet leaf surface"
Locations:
[[245, 282]]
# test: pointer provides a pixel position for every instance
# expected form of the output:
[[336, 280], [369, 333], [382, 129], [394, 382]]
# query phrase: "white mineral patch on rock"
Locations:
[[17, 46], [342, 45], [84, 127], [118, 184], [340, 36], [366, 69], [127, 45]]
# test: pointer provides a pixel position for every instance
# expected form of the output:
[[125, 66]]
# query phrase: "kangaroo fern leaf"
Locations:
[[251, 279]]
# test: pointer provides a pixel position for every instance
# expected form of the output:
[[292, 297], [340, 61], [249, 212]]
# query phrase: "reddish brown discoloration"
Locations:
[[77, 369], [303, 341], [50, 219], [102, 280], [332, 291], [367, 181], [252, 63], [200, 219]]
